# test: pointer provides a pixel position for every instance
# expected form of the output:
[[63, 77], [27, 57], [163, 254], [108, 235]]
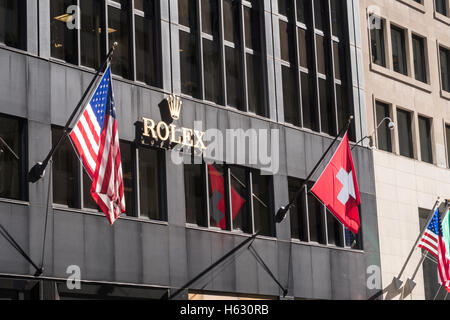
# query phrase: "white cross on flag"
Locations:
[[337, 187]]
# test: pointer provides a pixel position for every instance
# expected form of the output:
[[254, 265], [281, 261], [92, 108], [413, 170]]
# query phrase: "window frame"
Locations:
[[411, 136], [23, 155], [323, 216], [105, 45], [223, 44], [135, 214], [313, 34], [22, 25], [430, 126], [248, 198]]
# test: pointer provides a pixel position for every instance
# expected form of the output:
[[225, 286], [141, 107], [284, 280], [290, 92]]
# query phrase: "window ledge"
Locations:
[[226, 232], [400, 77], [18, 202], [418, 6], [318, 245], [101, 215], [440, 17], [445, 94]]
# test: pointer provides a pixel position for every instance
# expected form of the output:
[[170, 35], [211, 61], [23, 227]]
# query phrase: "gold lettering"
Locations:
[[149, 127], [173, 132], [162, 126], [187, 137], [199, 137]]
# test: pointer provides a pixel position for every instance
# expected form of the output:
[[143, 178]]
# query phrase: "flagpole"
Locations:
[[411, 281], [397, 282], [38, 171], [282, 212]]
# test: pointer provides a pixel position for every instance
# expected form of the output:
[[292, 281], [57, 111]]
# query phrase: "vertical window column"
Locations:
[[119, 30], [383, 133], [444, 55], [147, 68], [405, 133], [64, 41], [425, 134], [12, 159], [13, 23]]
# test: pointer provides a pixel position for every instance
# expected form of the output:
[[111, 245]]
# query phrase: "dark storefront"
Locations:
[[288, 68]]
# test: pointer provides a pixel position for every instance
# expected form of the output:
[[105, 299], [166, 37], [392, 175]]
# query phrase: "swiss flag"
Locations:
[[337, 187]]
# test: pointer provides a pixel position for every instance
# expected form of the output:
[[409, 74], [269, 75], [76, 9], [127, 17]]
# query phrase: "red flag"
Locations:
[[338, 189], [217, 185]]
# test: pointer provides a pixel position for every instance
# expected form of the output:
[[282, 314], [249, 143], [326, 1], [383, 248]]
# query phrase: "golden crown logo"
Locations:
[[175, 104]]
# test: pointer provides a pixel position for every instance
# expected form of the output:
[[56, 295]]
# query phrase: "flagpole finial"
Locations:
[[115, 44]]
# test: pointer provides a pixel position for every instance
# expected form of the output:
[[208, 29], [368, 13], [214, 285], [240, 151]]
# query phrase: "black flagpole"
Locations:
[[251, 239], [281, 214], [38, 171]]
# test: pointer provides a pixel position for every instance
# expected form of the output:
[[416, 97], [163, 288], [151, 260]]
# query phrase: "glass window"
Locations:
[[149, 182], [320, 14], [194, 194], [316, 219], [63, 39], [239, 193], [66, 170], [310, 114], [212, 75], [128, 156], [317, 63], [334, 231], [146, 42], [218, 205], [211, 56], [377, 44], [398, 50], [405, 133], [189, 64], [383, 132], [261, 199], [291, 108], [441, 6], [419, 58], [233, 76], [445, 68], [233, 192], [119, 31], [425, 139], [255, 84], [298, 213], [13, 23], [92, 33], [12, 159], [326, 110]]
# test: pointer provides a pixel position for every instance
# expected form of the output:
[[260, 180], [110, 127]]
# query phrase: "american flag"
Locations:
[[443, 260], [96, 142], [430, 239]]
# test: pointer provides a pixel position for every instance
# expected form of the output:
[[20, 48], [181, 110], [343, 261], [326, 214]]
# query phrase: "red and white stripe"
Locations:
[[107, 186], [429, 242], [86, 138]]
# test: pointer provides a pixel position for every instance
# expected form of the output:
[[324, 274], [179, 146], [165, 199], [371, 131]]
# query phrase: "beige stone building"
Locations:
[[406, 57]]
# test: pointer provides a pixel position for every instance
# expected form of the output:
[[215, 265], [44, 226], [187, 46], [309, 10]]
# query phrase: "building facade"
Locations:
[[405, 45], [289, 71]]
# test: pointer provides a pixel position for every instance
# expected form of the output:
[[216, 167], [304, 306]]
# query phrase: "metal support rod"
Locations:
[[418, 239], [37, 172], [251, 239], [267, 269], [281, 214]]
